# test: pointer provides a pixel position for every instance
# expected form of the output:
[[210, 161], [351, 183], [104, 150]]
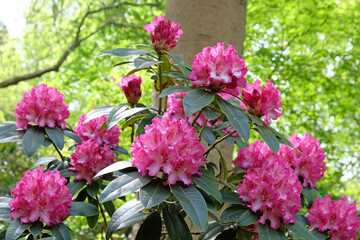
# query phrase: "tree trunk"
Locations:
[[205, 23]]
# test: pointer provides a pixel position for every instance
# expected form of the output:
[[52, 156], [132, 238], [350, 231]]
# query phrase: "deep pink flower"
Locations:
[[42, 105], [130, 85], [274, 190], [219, 69], [265, 102], [171, 146], [309, 162], [163, 33], [89, 159], [40, 195], [339, 217], [175, 108], [90, 130], [254, 156]]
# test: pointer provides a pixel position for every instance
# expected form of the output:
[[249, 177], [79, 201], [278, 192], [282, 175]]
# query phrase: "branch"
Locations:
[[75, 43]]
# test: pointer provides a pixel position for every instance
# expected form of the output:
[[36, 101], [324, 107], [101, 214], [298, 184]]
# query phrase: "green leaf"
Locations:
[[223, 167], [270, 139], [175, 75], [61, 232], [12, 136], [207, 185], [44, 160], [150, 229], [109, 207], [300, 230], [240, 143], [210, 114], [178, 59], [67, 173], [248, 217], [33, 139], [123, 214], [236, 117], [72, 135], [56, 135], [228, 234], [92, 221], [176, 226], [308, 194], [147, 120], [232, 214], [120, 115], [5, 213], [211, 230], [193, 203], [195, 100], [174, 89], [267, 233], [98, 112], [208, 136], [46, 143], [131, 121], [282, 139], [141, 63], [124, 184], [231, 197], [36, 228], [153, 193], [7, 126], [93, 189], [120, 150], [125, 52], [319, 235], [15, 229], [83, 209], [74, 186], [114, 167]]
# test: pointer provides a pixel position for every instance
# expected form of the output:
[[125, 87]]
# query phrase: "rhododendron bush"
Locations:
[[270, 193]]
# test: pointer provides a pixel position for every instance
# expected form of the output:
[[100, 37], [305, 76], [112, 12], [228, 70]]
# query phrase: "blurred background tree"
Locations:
[[310, 51]]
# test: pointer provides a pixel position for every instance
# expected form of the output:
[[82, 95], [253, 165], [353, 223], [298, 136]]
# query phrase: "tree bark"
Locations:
[[205, 23]]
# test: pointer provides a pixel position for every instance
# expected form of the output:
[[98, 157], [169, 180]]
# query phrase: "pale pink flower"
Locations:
[[130, 85], [43, 106], [254, 156], [163, 33], [89, 159], [339, 217], [274, 190], [309, 163], [41, 195], [265, 102], [90, 130], [169, 145], [219, 69]]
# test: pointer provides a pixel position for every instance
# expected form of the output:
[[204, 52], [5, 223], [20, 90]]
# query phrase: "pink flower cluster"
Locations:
[[163, 33], [309, 162], [339, 217], [40, 195], [90, 130], [89, 159], [269, 185], [219, 69], [265, 102], [171, 146], [42, 105], [130, 85]]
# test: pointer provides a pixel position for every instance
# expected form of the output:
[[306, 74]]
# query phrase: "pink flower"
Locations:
[[40, 195], [309, 162], [163, 33], [274, 190], [219, 69], [254, 156], [171, 146], [42, 105], [130, 85], [339, 217], [89, 159], [90, 130], [265, 102], [176, 109]]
